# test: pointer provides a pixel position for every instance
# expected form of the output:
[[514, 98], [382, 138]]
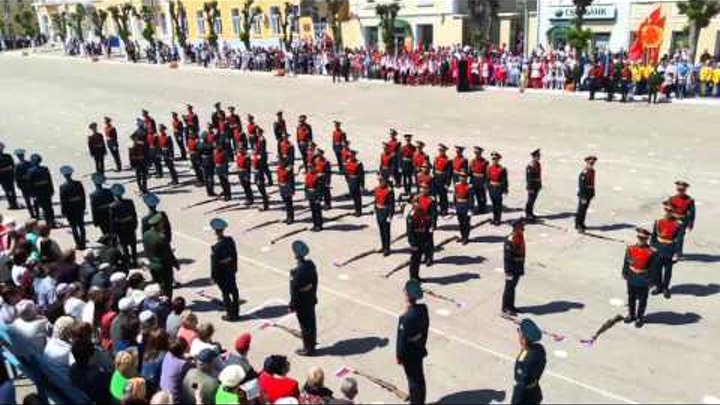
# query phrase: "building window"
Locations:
[[200, 18], [275, 20], [257, 24], [371, 36], [600, 41], [235, 14], [424, 35], [679, 40], [218, 25]]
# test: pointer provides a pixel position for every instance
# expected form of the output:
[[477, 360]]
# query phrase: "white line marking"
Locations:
[[443, 312], [499, 270], [710, 399], [458, 339], [344, 277], [265, 249], [617, 302], [560, 354]]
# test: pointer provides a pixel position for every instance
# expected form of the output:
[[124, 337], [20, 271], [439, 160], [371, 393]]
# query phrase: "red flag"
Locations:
[[649, 37]]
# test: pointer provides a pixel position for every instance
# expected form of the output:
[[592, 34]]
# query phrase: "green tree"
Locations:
[[147, 15], [335, 17], [26, 20], [178, 15], [286, 22], [97, 19], [483, 13], [388, 14], [699, 14], [249, 14], [212, 12], [581, 7], [59, 23], [76, 19], [578, 37], [121, 18]]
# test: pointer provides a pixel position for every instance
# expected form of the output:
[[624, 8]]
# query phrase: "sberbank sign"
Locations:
[[595, 12]]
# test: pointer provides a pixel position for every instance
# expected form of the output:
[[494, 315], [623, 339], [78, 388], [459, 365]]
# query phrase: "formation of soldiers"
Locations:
[[422, 183]]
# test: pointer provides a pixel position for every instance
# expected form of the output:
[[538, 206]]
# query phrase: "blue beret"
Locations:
[[413, 289], [98, 178], [530, 330], [151, 199], [218, 224], [300, 248], [66, 170], [117, 189], [19, 152], [35, 158]]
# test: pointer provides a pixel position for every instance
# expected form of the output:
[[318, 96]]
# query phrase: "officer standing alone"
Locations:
[[72, 206], [411, 343], [223, 269], [303, 296], [514, 261], [586, 192], [533, 179], [529, 365]]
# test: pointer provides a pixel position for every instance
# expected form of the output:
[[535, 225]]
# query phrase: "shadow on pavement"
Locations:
[[198, 282], [673, 318], [271, 312], [559, 215], [460, 260], [554, 307], [473, 397], [487, 239], [611, 227], [346, 227], [701, 257], [452, 279], [697, 290], [355, 346]]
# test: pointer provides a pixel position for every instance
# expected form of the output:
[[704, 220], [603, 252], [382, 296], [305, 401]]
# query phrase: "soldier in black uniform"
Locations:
[[514, 260], [166, 151], [123, 224], [286, 183], [384, 197], [586, 192], [279, 129], [418, 224], [303, 296], [206, 151], [7, 177], [223, 268], [411, 344], [138, 161], [533, 178], [22, 178], [355, 175], [529, 365], [100, 201], [72, 206], [151, 200], [41, 189], [96, 147], [111, 138]]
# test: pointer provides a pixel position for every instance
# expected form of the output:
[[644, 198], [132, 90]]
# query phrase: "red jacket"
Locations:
[[276, 387]]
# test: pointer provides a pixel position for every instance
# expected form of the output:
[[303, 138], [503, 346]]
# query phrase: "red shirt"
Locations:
[[382, 195], [407, 151], [251, 128], [163, 141], [255, 160], [110, 132], [419, 159], [352, 167], [149, 125], [345, 154], [386, 160], [478, 166], [276, 387], [424, 179], [518, 241], [285, 147], [242, 161], [176, 123], [283, 175], [320, 165], [150, 140], [192, 144], [495, 173], [462, 191], [303, 134], [393, 145], [441, 163], [219, 157], [667, 228], [681, 204], [639, 258], [211, 137], [238, 135], [338, 137], [425, 202], [311, 180], [459, 163]]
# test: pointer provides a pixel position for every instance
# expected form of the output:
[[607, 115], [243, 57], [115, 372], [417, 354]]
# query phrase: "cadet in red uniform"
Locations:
[[195, 159], [394, 146], [234, 124], [638, 266], [625, 80], [138, 162], [149, 122], [596, 79], [387, 162], [251, 131], [459, 164], [112, 142], [256, 162], [217, 116], [684, 209], [425, 177], [165, 145], [345, 151], [355, 175], [286, 153], [322, 168], [304, 136], [279, 129], [312, 184], [441, 178], [497, 186], [420, 158], [418, 230], [463, 206], [96, 147], [286, 183], [153, 152], [261, 148], [239, 137], [533, 180], [192, 122], [384, 211], [221, 169], [179, 134], [429, 206], [514, 263], [242, 165], [664, 242], [478, 170], [407, 151], [586, 192], [338, 140]]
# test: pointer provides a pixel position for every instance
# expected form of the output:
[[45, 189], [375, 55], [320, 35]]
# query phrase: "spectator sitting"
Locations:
[[274, 382], [229, 391], [349, 389], [201, 377], [314, 390]]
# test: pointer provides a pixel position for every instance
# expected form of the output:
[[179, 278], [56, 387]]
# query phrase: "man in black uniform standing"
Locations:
[[138, 161], [72, 206], [529, 365], [111, 138], [303, 296], [22, 178], [533, 179], [223, 268], [411, 344], [355, 175], [7, 177], [514, 263], [96, 147], [100, 201], [286, 183], [586, 192], [123, 224], [41, 189]]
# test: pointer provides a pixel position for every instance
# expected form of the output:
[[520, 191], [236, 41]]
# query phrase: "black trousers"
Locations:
[[99, 163], [530, 205], [396, 174], [302, 147], [337, 149], [665, 270], [29, 203], [496, 197], [141, 177], [407, 176], [356, 195], [416, 380], [324, 190], [247, 189], [508, 299], [441, 192], [156, 160], [171, 168], [44, 204], [230, 295], [263, 194], [181, 145], [429, 248], [581, 214], [164, 278], [289, 208], [128, 243], [464, 222], [306, 319], [209, 174], [197, 169], [115, 153], [225, 185], [316, 212], [77, 227], [480, 195], [8, 186], [637, 300], [265, 170], [384, 226]]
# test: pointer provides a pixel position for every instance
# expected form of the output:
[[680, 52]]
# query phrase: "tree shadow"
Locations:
[[473, 397], [554, 307], [697, 290], [354, 347], [611, 227], [701, 257], [345, 227], [487, 239], [461, 260], [672, 318], [270, 312], [452, 279]]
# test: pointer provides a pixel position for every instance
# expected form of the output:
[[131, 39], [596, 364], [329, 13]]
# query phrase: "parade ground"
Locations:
[[573, 282]]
